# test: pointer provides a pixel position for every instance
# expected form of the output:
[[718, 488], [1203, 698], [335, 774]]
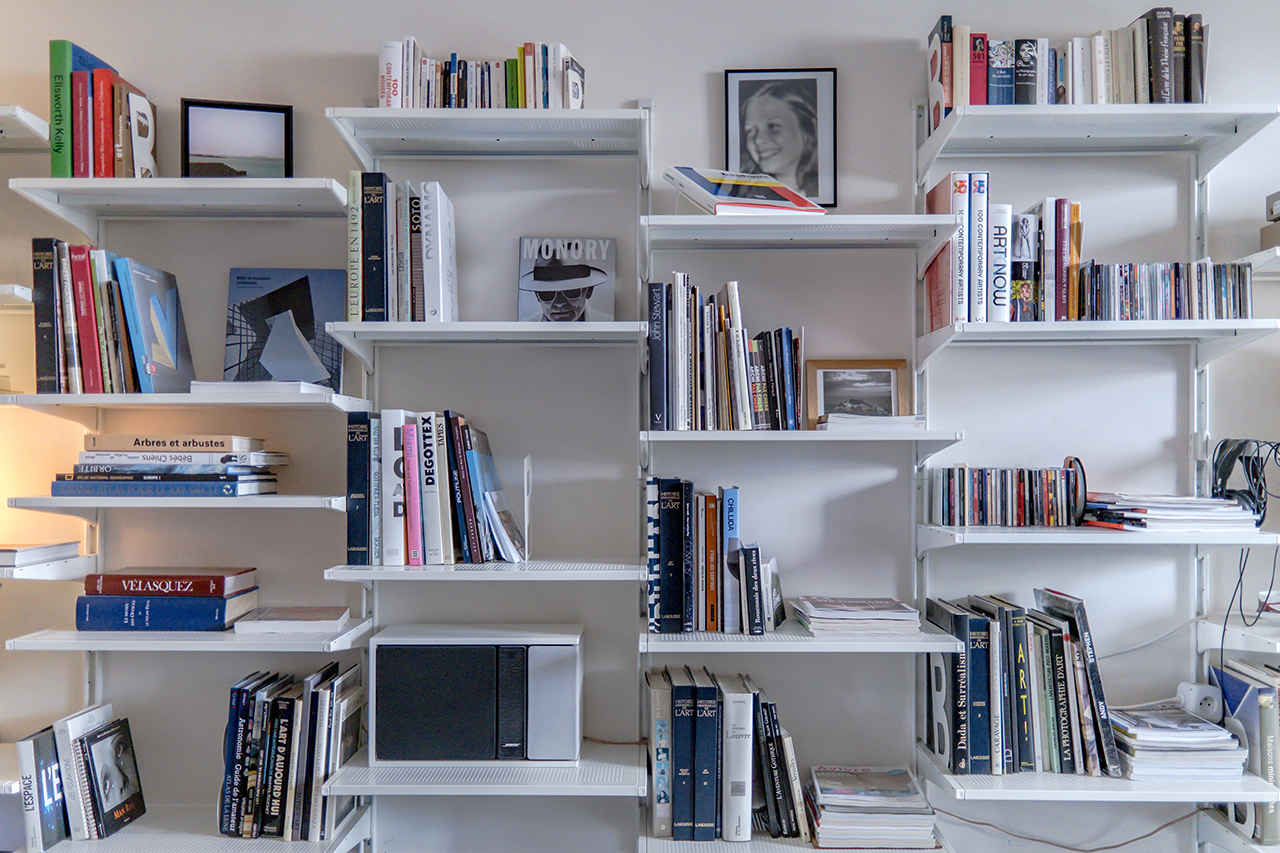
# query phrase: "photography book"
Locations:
[[275, 325], [567, 279], [718, 192], [44, 809], [115, 790]]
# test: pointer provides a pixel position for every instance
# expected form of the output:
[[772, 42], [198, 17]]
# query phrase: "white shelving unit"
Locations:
[[930, 537], [15, 297], [1266, 265], [1214, 829], [790, 637], [22, 130], [351, 636], [90, 506], [533, 570], [761, 845], [74, 568], [86, 409], [1263, 637]]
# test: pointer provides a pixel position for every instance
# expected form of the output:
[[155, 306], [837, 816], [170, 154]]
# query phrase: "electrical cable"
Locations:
[[1048, 843], [1151, 642]]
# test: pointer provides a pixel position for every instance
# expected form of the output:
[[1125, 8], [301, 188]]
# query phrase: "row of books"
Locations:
[[79, 779], [284, 737], [1024, 694], [1003, 497], [402, 260], [179, 465], [422, 490], [105, 324], [701, 575], [720, 762], [1160, 59], [100, 125], [876, 807], [541, 76], [707, 372]]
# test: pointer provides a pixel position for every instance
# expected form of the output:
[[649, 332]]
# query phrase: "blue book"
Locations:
[[276, 325], [658, 355], [161, 612], [671, 556], [731, 616], [159, 489], [706, 743], [683, 710], [358, 459], [786, 360], [979, 670], [375, 263], [1000, 71], [484, 478], [157, 333]]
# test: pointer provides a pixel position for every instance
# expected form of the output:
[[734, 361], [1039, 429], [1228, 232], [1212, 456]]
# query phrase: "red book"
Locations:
[[104, 155], [1062, 215], [81, 125], [172, 581], [86, 319], [977, 68]]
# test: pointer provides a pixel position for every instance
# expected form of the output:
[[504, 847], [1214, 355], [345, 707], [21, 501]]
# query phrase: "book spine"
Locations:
[[658, 355], [413, 257], [706, 738], [297, 742], [753, 610], [737, 729], [355, 250], [1024, 71], [1062, 258], [730, 556], [683, 709], [280, 740], [390, 73], [149, 613], [1195, 59], [1000, 71], [477, 462], [1023, 251], [961, 245], [671, 551], [1160, 50], [374, 277], [412, 493], [659, 732], [88, 790], [449, 552], [978, 68], [999, 288], [358, 436], [463, 506], [1022, 691], [433, 533], [1267, 831], [711, 561], [60, 108], [27, 773], [81, 124], [1106, 735], [1178, 58], [205, 586], [653, 555], [979, 228], [392, 473], [778, 773], [960, 64], [689, 600], [996, 698], [73, 382], [1067, 759], [319, 756], [44, 284], [979, 659]]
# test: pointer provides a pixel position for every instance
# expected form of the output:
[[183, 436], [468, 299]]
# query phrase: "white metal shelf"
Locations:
[[1266, 265], [382, 133], [791, 637], [361, 339], [532, 570], [1214, 828], [930, 537], [763, 844], [350, 636], [21, 130], [797, 231], [15, 297], [1212, 338], [87, 508], [604, 770], [73, 568], [1210, 131], [83, 202], [190, 829], [927, 442], [1059, 787], [83, 408], [1264, 637]]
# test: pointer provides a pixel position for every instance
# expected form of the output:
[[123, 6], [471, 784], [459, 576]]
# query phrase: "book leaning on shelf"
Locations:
[[542, 75], [98, 772]]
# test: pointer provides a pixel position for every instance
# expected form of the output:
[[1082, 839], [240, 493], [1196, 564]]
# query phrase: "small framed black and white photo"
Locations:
[[230, 139], [782, 123], [859, 387]]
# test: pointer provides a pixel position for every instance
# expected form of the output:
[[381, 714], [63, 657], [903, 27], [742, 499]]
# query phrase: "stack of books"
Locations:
[[1167, 742], [861, 807], [105, 324], [79, 779], [1169, 513], [423, 490], [100, 125], [178, 465], [721, 765], [284, 737], [823, 615], [541, 76], [702, 576], [166, 599]]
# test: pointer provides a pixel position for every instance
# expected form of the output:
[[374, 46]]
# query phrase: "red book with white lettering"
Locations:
[[86, 319], [172, 581], [978, 68], [104, 149]]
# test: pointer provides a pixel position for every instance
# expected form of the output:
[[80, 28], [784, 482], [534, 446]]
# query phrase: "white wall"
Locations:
[[843, 523]]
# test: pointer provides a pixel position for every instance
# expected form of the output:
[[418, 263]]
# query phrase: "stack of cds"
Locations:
[[823, 615], [1165, 741], [869, 807]]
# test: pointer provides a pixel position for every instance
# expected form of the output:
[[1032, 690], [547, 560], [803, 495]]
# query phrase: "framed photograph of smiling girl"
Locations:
[[782, 123]]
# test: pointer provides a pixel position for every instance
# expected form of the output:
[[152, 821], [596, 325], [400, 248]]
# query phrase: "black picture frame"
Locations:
[[801, 104], [218, 137]]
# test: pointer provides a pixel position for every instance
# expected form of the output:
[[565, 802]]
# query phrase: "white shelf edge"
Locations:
[[10, 778], [791, 637], [83, 407], [931, 537], [1266, 264], [23, 130], [803, 436], [670, 233], [70, 569], [1262, 638], [88, 507], [191, 641], [537, 570], [761, 843]]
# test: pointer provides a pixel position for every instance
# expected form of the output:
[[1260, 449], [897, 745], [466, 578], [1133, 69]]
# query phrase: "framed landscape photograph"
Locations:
[[229, 139], [869, 387], [782, 123]]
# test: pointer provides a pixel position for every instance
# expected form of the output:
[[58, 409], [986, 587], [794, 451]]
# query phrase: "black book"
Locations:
[[782, 349], [43, 804], [658, 414], [706, 741], [683, 710], [752, 590], [1160, 53], [782, 783], [1195, 59], [979, 675], [44, 301], [1020, 679], [1025, 64], [670, 556], [949, 688], [304, 773], [770, 371], [1178, 58], [1071, 610], [1008, 686], [375, 263], [765, 782], [114, 786], [278, 768], [358, 465], [232, 753], [689, 600], [460, 482], [512, 700], [1058, 667]]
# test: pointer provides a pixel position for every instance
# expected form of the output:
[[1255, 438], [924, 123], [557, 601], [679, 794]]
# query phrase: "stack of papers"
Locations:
[[869, 807], [1168, 513], [1166, 742], [823, 615], [842, 420]]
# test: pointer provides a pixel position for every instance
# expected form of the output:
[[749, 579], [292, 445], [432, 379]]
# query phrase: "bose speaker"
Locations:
[[463, 693]]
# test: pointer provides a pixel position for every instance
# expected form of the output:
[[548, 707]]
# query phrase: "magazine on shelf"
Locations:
[[276, 325], [718, 192]]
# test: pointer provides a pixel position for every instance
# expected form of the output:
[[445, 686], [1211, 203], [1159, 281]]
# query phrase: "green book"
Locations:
[[64, 57], [513, 83]]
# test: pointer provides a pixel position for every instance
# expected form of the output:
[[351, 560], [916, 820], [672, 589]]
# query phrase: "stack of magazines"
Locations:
[[823, 615], [1164, 741], [861, 807], [1168, 513]]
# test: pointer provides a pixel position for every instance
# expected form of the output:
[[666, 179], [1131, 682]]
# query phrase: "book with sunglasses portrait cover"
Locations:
[[567, 279], [114, 788]]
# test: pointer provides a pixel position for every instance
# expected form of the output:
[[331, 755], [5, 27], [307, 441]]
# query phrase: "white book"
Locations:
[[433, 539], [65, 733], [730, 561], [395, 250], [541, 74], [1141, 62], [394, 540], [1067, 73], [979, 271], [797, 792], [960, 65], [574, 81], [1122, 57], [448, 554], [1034, 663], [1082, 70], [530, 89], [319, 757], [344, 742], [408, 70], [737, 727], [995, 696], [439, 255], [407, 238], [700, 561], [390, 73], [555, 69], [738, 357], [961, 246], [678, 375], [498, 91], [1101, 77], [1000, 224], [1044, 79]]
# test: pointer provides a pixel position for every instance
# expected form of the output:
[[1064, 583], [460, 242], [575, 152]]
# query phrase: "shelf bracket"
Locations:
[[645, 142]]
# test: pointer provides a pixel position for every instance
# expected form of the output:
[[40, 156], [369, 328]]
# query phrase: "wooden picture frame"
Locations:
[[233, 139], [877, 387], [793, 112]]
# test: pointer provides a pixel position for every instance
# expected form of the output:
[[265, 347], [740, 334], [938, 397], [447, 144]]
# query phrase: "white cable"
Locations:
[[1175, 629]]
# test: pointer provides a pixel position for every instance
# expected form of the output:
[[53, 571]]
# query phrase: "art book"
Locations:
[[567, 279], [157, 332], [114, 788], [714, 191], [275, 326], [44, 809]]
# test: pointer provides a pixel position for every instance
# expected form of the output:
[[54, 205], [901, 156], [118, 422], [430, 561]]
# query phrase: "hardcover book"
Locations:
[[113, 769], [658, 694], [718, 192], [157, 332], [43, 806], [171, 581], [567, 279], [275, 326], [285, 620], [161, 613], [67, 731]]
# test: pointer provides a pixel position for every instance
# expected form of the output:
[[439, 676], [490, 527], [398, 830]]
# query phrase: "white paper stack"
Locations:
[[825, 615], [869, 807]]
